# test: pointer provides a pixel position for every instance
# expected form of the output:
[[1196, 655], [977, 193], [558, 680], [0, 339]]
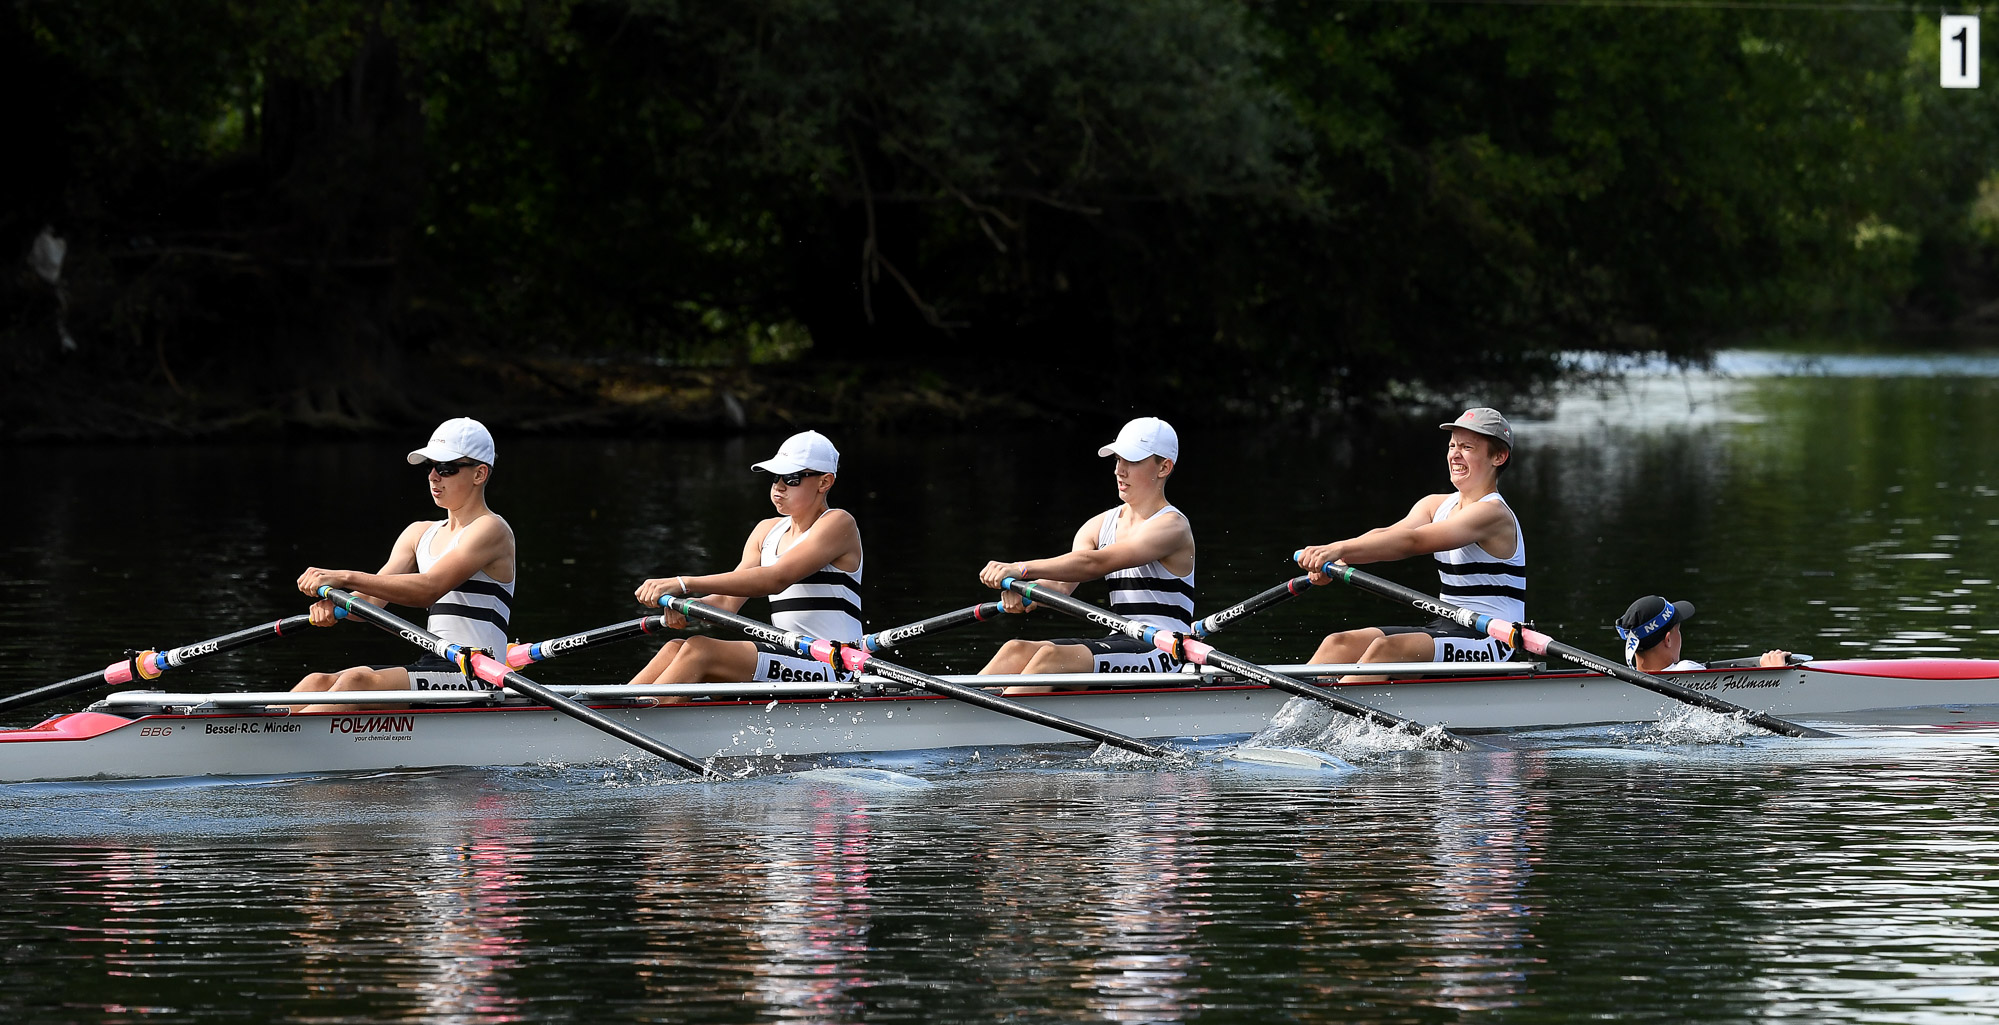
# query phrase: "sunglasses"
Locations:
[[792, 480], [448, 469]]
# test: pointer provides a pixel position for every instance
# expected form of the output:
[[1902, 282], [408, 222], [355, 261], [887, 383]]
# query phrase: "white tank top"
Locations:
[[826, 605], [1149, 594], [474, 613], [1471, 578]]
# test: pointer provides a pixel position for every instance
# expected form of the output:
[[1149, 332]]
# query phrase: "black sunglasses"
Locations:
[[448, 469], [792, 480]]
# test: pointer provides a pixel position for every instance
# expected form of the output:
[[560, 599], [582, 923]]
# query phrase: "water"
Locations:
[[1686, 875]]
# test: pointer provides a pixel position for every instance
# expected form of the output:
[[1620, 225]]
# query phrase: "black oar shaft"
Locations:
[[1283, 592], [1519, 636], [856, 659], [893, 636], [495, 672], [520, 655], [1201, 653], [149, 665]]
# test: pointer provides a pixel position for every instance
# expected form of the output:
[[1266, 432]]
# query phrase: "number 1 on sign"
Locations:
[[1959, 36]]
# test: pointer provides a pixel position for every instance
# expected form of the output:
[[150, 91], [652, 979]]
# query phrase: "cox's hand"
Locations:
[[649, 593], [322, 613], [1774, 658], [996, 572], [314, 578]]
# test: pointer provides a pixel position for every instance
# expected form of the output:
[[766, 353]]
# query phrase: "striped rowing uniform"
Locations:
[[1472, 578], [474, 614], [826, 605], [1150, 594]]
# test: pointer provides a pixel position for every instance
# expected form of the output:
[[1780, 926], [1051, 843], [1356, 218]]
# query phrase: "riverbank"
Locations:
[[533, 395]]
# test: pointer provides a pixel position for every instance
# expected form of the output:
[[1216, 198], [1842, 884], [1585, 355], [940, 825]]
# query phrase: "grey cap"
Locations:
[[1484, 420]]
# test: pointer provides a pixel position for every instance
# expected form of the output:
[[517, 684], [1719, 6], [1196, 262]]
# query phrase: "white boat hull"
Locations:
[[224, 742]]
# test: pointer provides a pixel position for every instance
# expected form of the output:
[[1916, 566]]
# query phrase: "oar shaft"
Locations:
[[1200, 653], [856, 659], [149, 665], [521, 655], [1519, 636], [1283, 592], [485, 667], [893, 636]]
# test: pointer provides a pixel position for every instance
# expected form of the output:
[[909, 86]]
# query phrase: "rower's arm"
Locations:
[[1376, 545], [1485, 523], [483, 542], [1155, 540], [832, 537]]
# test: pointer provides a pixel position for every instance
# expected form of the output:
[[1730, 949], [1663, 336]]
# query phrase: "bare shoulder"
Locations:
[[762, 530]]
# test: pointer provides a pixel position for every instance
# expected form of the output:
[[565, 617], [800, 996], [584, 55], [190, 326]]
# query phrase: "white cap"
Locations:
[[459, 438], [1145, 436], [807, 451]]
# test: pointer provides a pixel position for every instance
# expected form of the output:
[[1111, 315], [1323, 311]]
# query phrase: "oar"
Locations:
[[854, 658], [1283, 592], [1517, 637], [896, 635], [474, 662], [521, 655], [149, 665], [1188, 649]]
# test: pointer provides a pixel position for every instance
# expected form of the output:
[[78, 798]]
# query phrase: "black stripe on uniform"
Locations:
[[837, 577], [446, 608], [1128, 609], [488, 589], [1483, 590], [1171, 584], [816, 603], [1480, 566]]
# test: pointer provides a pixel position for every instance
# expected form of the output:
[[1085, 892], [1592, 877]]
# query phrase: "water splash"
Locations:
[[1683, 725], [1309, 724]]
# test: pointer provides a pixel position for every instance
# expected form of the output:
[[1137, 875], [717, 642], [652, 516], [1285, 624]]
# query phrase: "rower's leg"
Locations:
[[1012, 658], [1409, 647], [1346, 646], [707, 660], [1054, 658], [357, 678], [660, 660]]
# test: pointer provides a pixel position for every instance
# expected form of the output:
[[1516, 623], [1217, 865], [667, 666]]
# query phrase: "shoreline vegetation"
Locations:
[[622, 214]]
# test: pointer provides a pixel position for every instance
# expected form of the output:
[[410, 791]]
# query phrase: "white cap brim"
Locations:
[[430, 454], [775, 465], [1130, 454]]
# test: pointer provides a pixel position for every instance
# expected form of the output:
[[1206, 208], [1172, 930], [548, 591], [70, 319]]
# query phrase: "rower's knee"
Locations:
[[317, 682], [1059, 658]]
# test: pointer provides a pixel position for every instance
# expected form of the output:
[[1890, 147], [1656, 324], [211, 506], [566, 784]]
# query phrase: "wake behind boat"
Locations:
[[136, 734]]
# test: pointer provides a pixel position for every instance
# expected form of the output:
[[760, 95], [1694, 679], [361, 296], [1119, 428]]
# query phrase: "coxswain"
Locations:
[[1650, 629]]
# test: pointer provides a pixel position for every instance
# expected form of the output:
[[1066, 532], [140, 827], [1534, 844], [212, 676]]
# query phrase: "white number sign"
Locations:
[[1960, 51]]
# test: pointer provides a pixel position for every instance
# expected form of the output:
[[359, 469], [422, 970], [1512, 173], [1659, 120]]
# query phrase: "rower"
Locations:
[[807, 559], [1652, 641], [1476, 541], [460, 569], [1144, 548]]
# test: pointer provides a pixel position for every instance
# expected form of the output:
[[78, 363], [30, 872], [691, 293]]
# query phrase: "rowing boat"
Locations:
[[135, 734]]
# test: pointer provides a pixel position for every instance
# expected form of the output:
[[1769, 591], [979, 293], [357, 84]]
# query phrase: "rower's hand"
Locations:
[[650, 591], [996, 573], [1012, 602], [314, 578], [322, 613], [1774, 658], [673, 620], [1313, 560]]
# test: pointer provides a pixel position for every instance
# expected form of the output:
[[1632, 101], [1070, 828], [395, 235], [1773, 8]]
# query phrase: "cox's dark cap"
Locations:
[[1484, 420], [1645, 623]]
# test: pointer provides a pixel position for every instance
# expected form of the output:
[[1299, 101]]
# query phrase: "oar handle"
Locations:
[[476, 663], [1518, 637]]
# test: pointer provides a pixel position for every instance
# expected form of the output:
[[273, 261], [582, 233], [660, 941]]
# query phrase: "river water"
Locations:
[[1840, 506]]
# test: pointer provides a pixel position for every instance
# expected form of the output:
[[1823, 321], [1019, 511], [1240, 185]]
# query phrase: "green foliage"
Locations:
[[1281, 201]]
